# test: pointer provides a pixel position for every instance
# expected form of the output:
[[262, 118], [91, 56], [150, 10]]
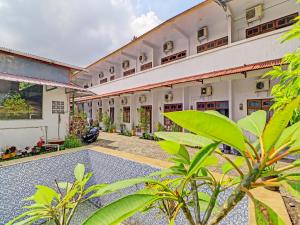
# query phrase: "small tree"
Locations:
[[288, 86]]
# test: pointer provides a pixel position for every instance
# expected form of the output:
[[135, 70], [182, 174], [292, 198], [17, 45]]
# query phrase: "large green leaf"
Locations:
[[288, 135], [119, 185], [255, 123], [44, 195], [187, 139], [277, 124], [265, 215], [174, 148], [79, 171], [210, 126], [296, 141], [121, 209], [200, 157]]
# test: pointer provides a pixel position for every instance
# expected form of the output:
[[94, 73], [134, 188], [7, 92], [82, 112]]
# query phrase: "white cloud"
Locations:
[[145, 22], [73, 31]]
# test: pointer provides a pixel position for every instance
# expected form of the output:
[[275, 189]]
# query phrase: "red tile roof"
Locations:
[[219, 73]]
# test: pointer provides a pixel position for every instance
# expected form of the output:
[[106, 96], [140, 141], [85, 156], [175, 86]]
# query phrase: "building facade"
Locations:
[[34, 98], [210, 57]]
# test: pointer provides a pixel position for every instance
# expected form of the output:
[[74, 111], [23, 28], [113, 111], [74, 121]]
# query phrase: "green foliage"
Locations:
[[72, 141], [207, 124], [181, 193], [160, 127], [58, 207], [78, 124], [120, 210], [106, 122], [15, 106], [144, 119], [288, 86]]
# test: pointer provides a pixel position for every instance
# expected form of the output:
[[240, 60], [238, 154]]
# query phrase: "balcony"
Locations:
[[257, 49]]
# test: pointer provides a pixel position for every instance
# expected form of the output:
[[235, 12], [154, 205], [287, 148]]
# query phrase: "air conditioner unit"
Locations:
[[100, 103], [101, 75], [125, 64], [169, 97], [254, 13], [262, 85], [86, 86], [143, 58], [206, 91], [112, 69], [168, 46], [124, 101], [111, 101], [142, 99], [202, 33], [90, 104]]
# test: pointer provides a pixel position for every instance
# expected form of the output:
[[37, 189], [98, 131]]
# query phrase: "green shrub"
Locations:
[[71, 141]]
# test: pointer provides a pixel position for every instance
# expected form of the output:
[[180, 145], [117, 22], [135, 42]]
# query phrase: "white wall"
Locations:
[[29, 137]]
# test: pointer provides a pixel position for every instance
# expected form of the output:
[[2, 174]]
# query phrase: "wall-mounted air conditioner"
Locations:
[[86, 86], [100, 103], [101, 75], [112, 70], [254, 13], [168, 46], [111, 101], [124, 101], [169, 97], [143, 58], [206, 91], [125, 64], [202, 33], [142, 99], [262, 85]]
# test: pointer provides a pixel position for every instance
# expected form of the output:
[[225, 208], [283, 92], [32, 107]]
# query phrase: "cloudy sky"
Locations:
[[80, 31]]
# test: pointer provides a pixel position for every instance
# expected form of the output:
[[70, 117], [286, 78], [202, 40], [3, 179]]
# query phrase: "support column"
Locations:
[[230, 99]]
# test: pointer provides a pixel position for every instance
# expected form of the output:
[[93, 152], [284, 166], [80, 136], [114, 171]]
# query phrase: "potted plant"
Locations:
[[13, 151], [113, 128], [133, 131], [6, 154]]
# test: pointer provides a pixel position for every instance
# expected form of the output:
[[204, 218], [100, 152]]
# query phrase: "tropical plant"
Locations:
[[180, 187], [78, 124], [160, 127], [288, 86], [58, 207], [72, 141], [144, 119], [106, 122], [16, 106]]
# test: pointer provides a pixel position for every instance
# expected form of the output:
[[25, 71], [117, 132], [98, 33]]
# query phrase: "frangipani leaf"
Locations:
[[254, 123], [208, 125], [264, 215], [187, 139], [79, 171], [119, 185], [277, 124], [288, 135], [44, 195], [293, 187], [226, 167], [121, 209], [174, 148], [200, 158]]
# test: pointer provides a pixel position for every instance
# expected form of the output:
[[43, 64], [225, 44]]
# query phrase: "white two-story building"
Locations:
[[211, 56]]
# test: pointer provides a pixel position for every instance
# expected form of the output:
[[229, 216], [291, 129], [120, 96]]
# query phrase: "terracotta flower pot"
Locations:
[[6, 156]]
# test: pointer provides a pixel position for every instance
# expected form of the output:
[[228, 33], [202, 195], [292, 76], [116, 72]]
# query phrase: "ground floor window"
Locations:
[[126, 114], [112, 114], [220, 106], [169, 125], [19, 100], [260, 104]]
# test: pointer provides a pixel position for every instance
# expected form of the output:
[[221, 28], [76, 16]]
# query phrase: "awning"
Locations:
[[17, 78], [219, 73]]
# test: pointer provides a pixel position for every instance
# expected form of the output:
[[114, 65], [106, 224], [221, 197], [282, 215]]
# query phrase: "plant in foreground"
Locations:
[[182, 192], [178, 188]]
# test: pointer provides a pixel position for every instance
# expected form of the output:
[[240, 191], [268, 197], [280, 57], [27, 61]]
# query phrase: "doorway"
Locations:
[[169, 125], [147, 109], [112, 114]]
